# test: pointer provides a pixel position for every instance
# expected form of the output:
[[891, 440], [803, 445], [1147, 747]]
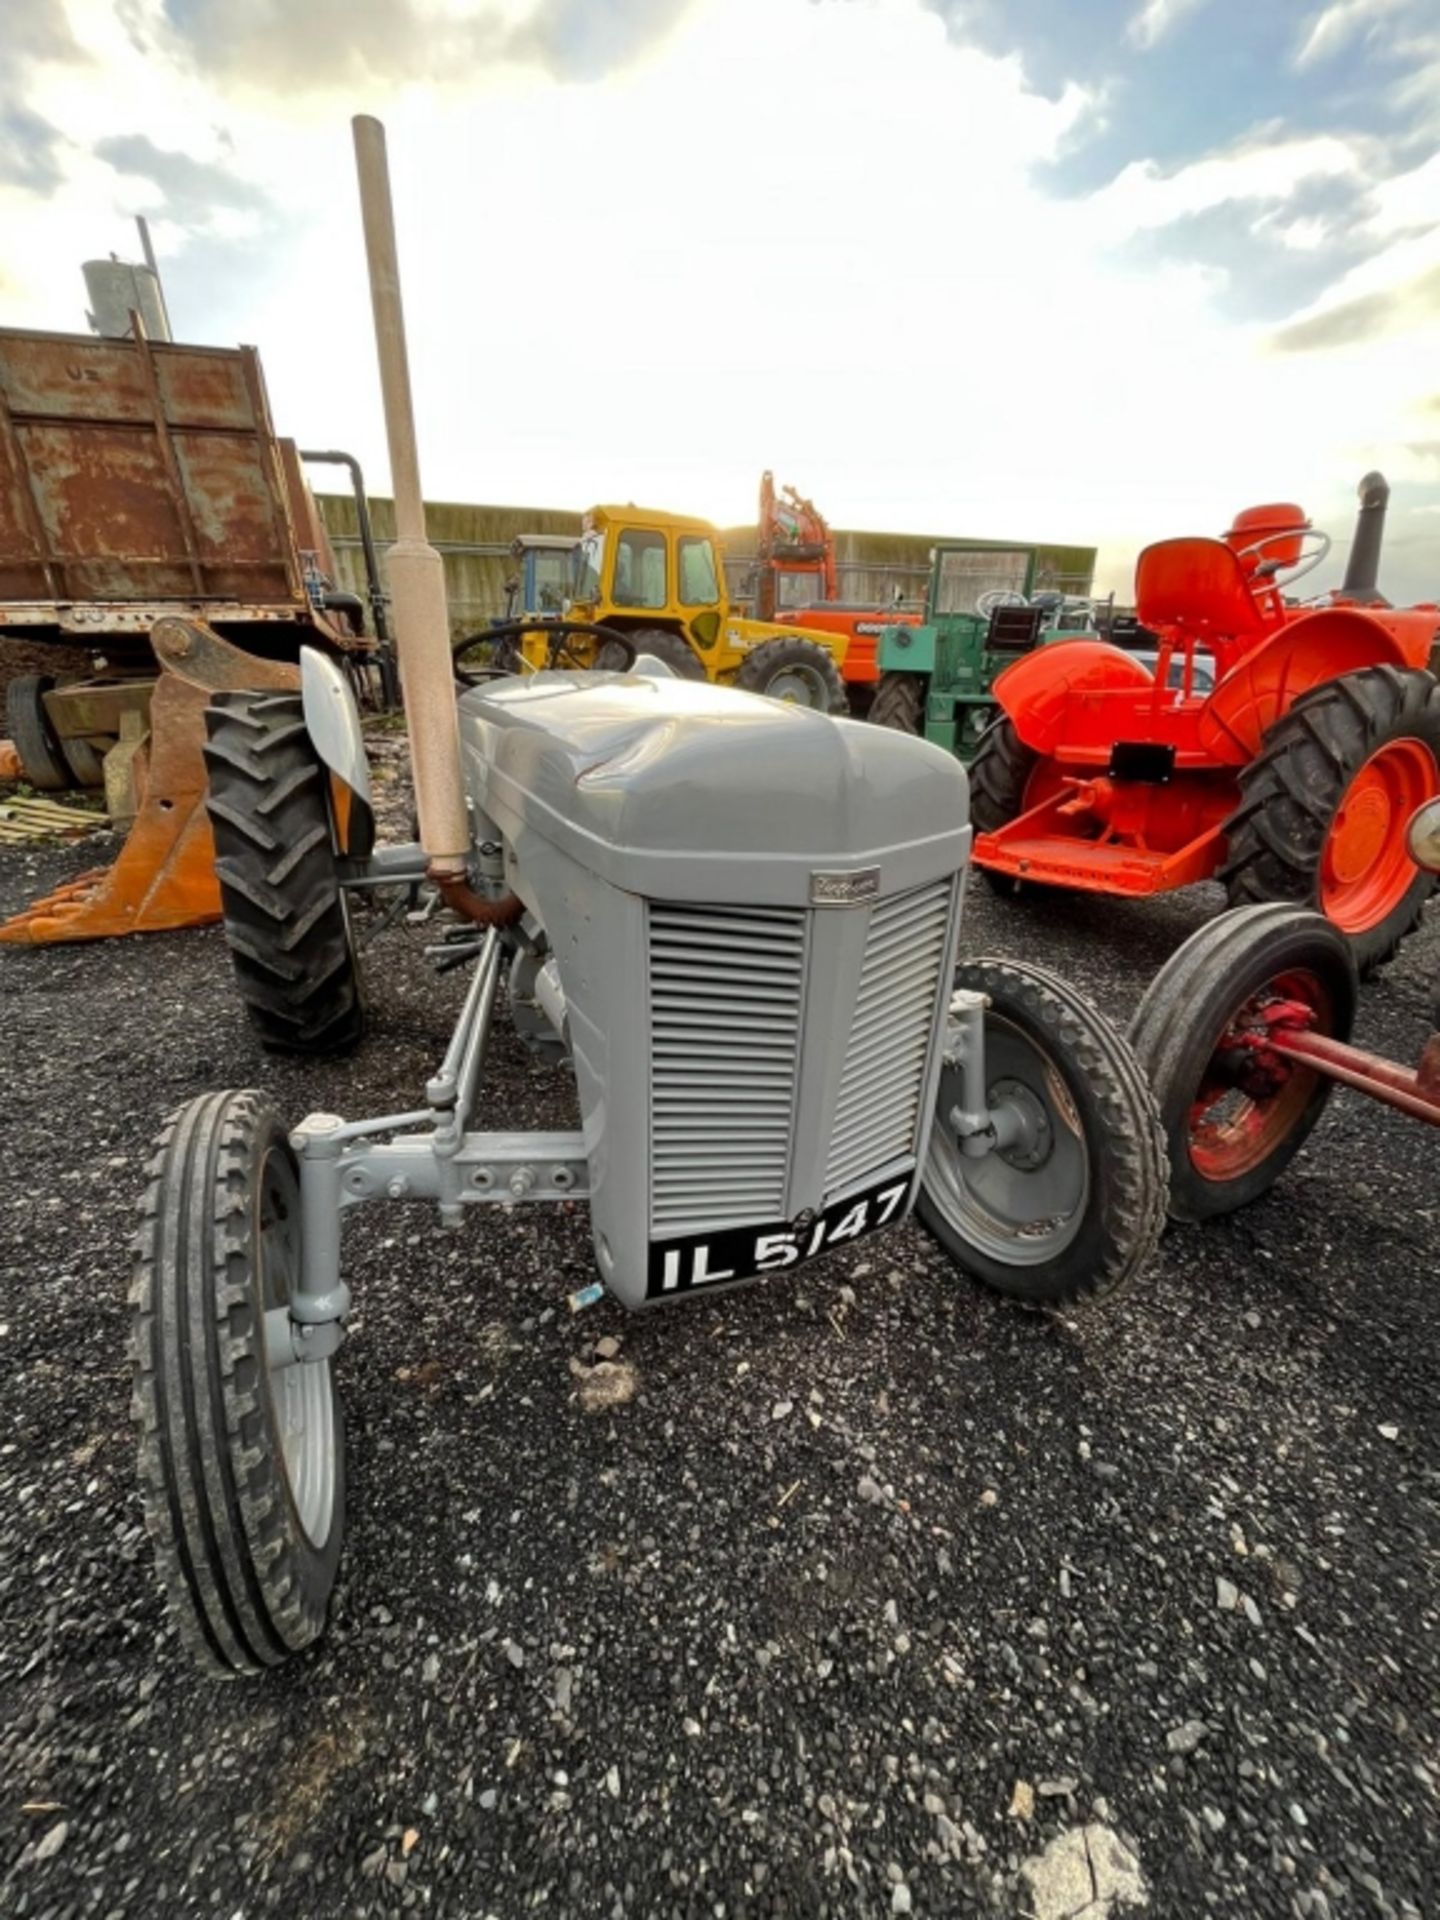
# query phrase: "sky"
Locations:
[[1098, 272]]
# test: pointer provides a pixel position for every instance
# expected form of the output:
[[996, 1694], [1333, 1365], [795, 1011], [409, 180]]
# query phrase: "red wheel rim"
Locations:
[[1365, 867], [1232, 1131]]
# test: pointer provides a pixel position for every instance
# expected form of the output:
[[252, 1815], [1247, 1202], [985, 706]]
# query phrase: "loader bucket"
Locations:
[[165, 875]]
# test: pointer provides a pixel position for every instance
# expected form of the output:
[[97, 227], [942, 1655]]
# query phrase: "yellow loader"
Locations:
[[659, 579]]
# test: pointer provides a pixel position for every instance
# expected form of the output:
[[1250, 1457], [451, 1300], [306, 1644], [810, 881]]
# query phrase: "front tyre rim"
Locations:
[[301, 1395], [1236, 1122], [799, 687], [1021, 1209], [1365, 866]]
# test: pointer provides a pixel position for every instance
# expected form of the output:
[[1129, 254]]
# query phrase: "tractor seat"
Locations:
[[1198, 586]]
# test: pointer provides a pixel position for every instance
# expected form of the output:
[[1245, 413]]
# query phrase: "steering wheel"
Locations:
[[999, 597], [1266, 570], [557, 653]]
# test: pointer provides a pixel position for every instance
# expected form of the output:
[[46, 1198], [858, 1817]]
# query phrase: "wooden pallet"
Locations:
[[34, 818]]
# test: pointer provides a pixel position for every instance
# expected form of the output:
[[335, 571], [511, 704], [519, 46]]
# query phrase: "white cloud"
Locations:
[[831, 261], [1265, 167], [1334, 27], [1156, 18]]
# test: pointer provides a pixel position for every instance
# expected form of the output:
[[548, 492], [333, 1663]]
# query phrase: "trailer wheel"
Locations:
[[1235, 1115], [242, 1461], [800, 672], [899, 702], [1324, 807], [42, 758], [85, 761], [671, 649], [287, 921], [1073, 1210]]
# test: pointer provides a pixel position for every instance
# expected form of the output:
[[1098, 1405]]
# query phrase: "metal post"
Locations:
[[417, 577], [379, 602], [143, 228]]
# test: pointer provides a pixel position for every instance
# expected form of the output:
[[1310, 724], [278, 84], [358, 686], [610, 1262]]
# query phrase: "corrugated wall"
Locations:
[[473, 541], [475, 544]]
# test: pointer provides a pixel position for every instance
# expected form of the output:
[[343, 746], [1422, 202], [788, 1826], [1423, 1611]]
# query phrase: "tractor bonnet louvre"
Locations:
[[725, 998], [877, 1117]]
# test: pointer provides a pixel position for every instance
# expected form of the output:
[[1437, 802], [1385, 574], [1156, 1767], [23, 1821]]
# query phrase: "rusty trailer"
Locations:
[[142, 483]]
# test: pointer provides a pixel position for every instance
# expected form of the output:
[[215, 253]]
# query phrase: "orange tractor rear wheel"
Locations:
[[1325, 804], [1003, 784]]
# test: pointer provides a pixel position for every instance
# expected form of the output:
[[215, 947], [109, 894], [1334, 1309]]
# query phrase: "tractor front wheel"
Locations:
[[800, 672], [287, 920], [242, 1457], [1072, 1206], [1325, 805], [899, 702], [1235, 1112], [670, 649]]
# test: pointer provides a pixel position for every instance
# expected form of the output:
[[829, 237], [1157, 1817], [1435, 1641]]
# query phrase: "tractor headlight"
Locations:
[[1422, 836]]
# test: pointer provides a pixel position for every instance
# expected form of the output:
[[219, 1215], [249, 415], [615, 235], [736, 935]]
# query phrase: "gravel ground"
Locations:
[[878, 1597]]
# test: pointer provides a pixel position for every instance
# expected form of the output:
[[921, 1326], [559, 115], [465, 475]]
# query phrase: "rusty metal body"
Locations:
[[148, 510], [139, 480]]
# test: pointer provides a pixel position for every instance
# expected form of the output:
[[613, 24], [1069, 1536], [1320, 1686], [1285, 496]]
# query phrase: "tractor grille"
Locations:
[[877, 1116], [725, 990]]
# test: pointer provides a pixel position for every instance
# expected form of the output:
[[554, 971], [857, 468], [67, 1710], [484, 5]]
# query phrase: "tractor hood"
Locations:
[[658, 784]]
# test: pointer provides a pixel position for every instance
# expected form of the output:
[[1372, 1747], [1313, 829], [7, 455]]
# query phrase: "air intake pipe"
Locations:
[[417, 579], [1362, 570]]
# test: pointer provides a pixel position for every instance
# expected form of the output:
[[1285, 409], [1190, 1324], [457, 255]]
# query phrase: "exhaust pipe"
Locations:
[[417, 576], [1362, 570]]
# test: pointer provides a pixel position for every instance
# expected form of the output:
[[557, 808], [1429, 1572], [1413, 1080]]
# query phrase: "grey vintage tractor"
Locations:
[[736, 922]]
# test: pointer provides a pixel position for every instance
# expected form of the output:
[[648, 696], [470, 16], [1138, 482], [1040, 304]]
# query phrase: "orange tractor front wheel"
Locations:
[[1233, 1108]]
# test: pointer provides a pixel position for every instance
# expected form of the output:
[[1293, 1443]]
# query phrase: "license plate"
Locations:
[[740, 1253]]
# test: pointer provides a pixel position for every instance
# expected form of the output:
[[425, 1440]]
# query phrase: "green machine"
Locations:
[[981, 611]]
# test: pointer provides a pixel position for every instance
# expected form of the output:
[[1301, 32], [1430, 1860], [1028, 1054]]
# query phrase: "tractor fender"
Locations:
[[1034, 691], [1307, 651], [332, 720]]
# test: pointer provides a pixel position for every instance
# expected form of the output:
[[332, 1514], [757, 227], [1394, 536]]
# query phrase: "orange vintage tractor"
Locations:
[[1292, 780]]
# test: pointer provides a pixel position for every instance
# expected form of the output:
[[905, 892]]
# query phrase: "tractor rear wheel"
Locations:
[[1073, 1208], [1235, 1114], [42, 758], [670, 649], [242, 1455], [800, 672], [899, 702], [999, 775], [1324, 807], [287, 921]]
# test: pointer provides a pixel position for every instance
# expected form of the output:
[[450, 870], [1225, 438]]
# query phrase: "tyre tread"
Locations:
[[1133, 1146], [285, 917], [1290, 790], [206, 1467]]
